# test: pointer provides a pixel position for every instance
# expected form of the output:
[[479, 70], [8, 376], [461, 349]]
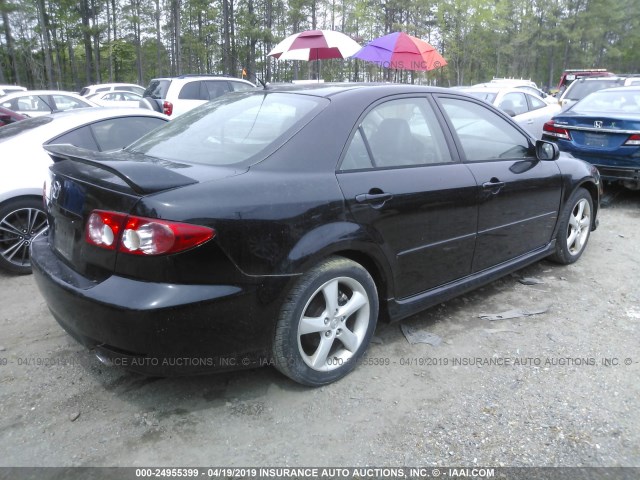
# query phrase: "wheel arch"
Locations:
[[345, 239], [594, 191], [381, 277], [22, 194]]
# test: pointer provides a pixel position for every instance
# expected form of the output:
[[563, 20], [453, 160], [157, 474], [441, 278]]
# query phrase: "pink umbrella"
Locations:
[[402, 52], [315, 45]]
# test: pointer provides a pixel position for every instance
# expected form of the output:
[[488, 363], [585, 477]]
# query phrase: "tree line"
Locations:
[[67, 44]]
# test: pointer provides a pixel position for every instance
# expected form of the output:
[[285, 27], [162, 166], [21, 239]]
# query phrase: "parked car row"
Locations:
[[295, 216]]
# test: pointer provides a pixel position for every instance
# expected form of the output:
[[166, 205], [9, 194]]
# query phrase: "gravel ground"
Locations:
[[558, 388]]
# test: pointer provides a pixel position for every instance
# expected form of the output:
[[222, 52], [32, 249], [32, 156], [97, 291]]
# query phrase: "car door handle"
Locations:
[[373, 198], [494, 185]]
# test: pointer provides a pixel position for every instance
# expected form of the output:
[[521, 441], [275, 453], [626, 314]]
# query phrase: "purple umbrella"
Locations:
[[401, 51]]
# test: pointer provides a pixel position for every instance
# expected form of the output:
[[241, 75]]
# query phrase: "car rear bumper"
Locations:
[[159, 328], [610, 167]]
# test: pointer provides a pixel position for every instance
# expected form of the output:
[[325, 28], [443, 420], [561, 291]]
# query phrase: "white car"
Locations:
[[525, 85], [176, 95], [34, 103], [116, 99], [110, 87], [25, 165], [6, 89], [528, 110]]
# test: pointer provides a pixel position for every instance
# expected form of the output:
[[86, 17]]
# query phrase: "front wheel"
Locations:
[[575, 228], [326, 323]]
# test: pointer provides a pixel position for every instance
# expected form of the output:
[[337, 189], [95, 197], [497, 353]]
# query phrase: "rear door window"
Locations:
[[191, 91], [215, 89], [514, 103], [241, 86], [535, 103]]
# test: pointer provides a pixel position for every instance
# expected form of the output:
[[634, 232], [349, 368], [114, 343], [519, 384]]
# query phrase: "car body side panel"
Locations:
[[518, 217], [427, 228]]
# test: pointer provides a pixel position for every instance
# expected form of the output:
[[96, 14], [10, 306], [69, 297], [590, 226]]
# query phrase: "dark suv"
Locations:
[[176, 95]]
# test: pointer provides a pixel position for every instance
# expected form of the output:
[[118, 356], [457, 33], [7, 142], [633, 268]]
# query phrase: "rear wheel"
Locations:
[[326, 323], [20, 220], [575, 228]]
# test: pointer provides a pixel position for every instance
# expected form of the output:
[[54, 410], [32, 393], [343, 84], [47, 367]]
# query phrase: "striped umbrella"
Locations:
[[315, 45]]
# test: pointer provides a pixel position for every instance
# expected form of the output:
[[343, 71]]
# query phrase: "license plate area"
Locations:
[[64, 237], [596, 140]]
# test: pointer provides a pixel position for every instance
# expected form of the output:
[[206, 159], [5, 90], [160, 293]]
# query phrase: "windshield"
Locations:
[[232, 129], [580, 90], [611, 101]]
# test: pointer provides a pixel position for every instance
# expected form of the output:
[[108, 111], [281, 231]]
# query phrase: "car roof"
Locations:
[[596, 78], [333, 89], [109, 92], [495, 89], [39, 92], [190, 76], [629, 88], [98, 85]]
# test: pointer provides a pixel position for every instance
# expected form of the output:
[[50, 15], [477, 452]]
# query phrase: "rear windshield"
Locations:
[[579, 90], [15, 129], [235, 128], [612, 101], [157, 89]]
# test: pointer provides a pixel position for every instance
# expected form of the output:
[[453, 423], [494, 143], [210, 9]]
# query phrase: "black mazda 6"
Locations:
[[275, 227]]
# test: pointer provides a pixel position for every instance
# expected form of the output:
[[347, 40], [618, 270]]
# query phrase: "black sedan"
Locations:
[[275, 227]]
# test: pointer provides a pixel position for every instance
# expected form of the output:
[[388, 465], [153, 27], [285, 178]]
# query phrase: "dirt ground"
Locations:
[[558, 388]]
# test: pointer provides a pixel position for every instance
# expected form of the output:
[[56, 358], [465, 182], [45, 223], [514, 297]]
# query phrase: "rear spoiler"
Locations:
[[143, 177]]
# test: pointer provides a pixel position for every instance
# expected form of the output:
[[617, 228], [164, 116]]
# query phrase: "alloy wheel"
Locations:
[[17, 230]]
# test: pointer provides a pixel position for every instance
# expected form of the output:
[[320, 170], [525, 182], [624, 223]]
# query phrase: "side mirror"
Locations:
[[5, 119], [547, 150], [511, 113]]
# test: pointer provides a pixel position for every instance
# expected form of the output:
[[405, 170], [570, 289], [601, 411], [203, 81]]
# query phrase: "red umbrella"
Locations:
[[402, 52], [315, 45]]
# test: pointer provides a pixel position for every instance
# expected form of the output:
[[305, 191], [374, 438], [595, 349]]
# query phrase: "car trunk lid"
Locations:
[[82, 181], [599, 131]]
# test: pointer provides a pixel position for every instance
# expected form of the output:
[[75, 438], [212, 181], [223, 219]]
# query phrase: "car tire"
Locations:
[[326, 323], [575, 228], [21, 219]]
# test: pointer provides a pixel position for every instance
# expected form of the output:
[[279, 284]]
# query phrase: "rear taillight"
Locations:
[[143, 236], [103, 229], [167, 108], [633, 141], [550, 129]]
